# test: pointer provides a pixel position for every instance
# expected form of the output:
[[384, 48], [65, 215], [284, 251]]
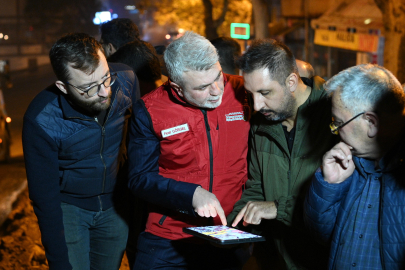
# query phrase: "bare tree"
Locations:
[[394, 31], [261, 18], [212, 25]]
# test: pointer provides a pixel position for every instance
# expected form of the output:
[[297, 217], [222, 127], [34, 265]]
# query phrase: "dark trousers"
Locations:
[[154, 252]]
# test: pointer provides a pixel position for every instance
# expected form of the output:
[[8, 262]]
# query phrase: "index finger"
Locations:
[[221, 214], [239, 217], [345, 148]]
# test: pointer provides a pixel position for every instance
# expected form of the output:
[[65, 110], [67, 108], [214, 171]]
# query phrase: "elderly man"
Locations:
[[187, 153], [74, 142], [288, 139], [356, 200]]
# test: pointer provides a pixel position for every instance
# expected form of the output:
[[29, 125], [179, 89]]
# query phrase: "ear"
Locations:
[[111, 48], [61, 86], [373, 122], [292, 82], [177, 88]]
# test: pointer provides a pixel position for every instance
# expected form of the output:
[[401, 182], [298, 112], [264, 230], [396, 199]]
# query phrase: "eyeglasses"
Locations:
[[93, 90], [335, 129]]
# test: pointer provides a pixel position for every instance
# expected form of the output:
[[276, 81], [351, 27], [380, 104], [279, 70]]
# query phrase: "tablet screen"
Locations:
[[223, 234]]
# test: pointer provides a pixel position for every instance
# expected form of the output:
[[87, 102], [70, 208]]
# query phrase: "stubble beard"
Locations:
[[92, 107], [206, 104], [287, 111]]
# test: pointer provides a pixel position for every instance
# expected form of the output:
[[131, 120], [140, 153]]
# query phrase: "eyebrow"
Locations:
[[88, 84], [204, 85]]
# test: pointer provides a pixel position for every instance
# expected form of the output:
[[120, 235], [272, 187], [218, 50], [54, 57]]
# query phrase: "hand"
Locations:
[[206, 204], [254, 212], [337, 164]]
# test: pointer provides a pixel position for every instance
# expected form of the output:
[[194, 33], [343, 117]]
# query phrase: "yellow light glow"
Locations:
[[167, 36], [367, 21], [1, 35], [181, 30], [5, 37], [8, 119]]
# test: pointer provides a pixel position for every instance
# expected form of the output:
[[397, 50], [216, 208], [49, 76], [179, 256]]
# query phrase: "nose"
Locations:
[[215, 89], [104, 91], [257, 103]]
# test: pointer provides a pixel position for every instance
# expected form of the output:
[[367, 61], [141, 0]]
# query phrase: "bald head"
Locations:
[[305, 69]]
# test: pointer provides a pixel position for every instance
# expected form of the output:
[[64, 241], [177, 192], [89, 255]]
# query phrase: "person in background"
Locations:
[[142, 58], [229, 51], [185, 159], [305, 69], [288, 138], [356, 199], [116, 33], [74, 136]]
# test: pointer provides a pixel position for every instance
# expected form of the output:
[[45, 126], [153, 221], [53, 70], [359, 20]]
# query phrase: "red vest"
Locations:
[[185, 152]]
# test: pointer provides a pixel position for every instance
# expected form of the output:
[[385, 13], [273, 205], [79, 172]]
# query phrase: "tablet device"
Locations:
[[223, 235]]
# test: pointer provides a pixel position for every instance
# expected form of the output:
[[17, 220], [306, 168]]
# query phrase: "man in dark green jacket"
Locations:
[[288, 138]]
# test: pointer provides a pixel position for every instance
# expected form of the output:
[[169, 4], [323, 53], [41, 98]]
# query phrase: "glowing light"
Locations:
[[167, 36], [181, 30], [102, 17], [1, 35], [1, 140], [368, 21], [130, 7], [5, 37], [8, 119]]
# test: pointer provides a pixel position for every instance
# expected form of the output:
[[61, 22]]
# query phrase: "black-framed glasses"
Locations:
[[91, 91], [335, 129]]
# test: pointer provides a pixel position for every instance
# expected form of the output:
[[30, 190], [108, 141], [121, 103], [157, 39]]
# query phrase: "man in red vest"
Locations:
[[187, 153]]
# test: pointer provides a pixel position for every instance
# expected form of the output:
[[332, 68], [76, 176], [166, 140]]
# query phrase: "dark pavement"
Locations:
[[26, 85]]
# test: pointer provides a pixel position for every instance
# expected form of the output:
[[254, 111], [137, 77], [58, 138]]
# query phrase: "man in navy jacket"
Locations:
[[74, 145], [356, 200]]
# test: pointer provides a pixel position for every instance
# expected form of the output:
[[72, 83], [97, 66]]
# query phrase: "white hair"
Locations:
[[191, 52], [364, 87]]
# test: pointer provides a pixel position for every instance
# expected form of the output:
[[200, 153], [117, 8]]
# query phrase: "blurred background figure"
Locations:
[[142, 58], [305, 69], [160, 50], [228, 50], [117, 33]]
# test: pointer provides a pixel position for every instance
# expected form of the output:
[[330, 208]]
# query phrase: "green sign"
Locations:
[[240, 30]]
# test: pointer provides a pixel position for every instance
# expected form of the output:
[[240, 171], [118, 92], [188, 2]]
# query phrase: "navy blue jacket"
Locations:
[[70, 157], [327, 207]]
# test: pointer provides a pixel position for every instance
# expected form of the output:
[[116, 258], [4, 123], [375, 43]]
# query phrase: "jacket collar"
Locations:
[[390, 161]]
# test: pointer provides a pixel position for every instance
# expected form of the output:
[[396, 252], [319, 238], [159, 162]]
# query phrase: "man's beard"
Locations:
[[205, 104], [91, 107], [285, 112]]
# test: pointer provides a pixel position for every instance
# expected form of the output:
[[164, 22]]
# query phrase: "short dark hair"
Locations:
[[76, 49], [271, 54], [228, 50], [119, 31], [141, 57]]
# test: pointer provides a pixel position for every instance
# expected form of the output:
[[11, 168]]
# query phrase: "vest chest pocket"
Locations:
[[178, 147]]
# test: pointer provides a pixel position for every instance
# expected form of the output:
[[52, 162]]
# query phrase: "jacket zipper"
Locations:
[[102, 159], [380, 222], [207, 128]]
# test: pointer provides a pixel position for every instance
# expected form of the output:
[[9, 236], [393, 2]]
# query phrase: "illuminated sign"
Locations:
[[240, 30], [346, 40]]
